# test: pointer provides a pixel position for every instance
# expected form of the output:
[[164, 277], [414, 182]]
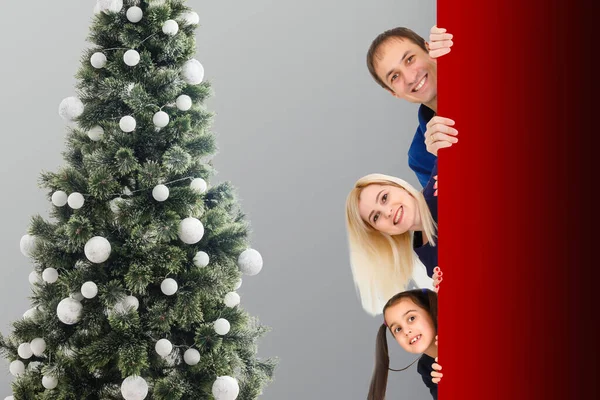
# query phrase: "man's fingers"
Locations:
[[440, 120], [434, 148], [436, 380], [436, 367], [434, 37], [440, 44], [439, 53], [436, 374], [440, 137], [435, 29]]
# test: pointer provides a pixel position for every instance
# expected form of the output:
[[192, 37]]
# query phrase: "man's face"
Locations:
[[407, 70]]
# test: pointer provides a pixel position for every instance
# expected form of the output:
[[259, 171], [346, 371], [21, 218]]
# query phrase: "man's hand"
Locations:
[[440, 42], [440, 134]]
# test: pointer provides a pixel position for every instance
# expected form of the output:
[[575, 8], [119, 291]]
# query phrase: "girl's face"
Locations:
[[411, 326], [388, 209]]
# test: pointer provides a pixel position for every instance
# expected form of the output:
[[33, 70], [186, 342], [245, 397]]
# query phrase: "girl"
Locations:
[[392, 238], [411, 317]]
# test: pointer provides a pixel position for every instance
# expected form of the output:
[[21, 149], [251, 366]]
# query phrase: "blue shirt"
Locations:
[[419, 159], [427, 253]]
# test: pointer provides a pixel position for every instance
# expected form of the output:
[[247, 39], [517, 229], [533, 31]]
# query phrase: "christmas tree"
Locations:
[[133, 288]]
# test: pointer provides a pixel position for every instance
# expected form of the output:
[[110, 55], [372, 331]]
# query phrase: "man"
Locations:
[[404, 64]]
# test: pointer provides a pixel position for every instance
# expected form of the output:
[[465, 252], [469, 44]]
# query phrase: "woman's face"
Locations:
[[388, 209], [411, 326]]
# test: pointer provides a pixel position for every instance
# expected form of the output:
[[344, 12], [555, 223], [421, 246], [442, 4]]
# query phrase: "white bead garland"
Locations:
[[98, 60], [127, 124], [199, 185], [160, 193], [131, 58]]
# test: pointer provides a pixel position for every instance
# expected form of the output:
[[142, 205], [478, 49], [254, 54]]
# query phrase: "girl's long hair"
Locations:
[[382, 264], [424, 298]]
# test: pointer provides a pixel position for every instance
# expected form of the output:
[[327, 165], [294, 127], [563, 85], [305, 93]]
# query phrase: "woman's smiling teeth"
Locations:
[[414, 340], [420, 84], [398, 215]]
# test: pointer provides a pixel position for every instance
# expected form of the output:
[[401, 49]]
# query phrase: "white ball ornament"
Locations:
[[190, 18], [160, 119], [75, 200], [232, 299], [59, 198], [192, 72], [201, 259], [199, 185], [191, 230], [108, 6], [127, 124], [50, 275], [31, 313], [129, 302], [183, 102], [27, 244], [70, 108], [222, 326], [98, 60], [170, 27], [96, 133], [38, 346], [116, 204], [134, 388], [225, 388], [89, 290], [160, 192], [16, 367], [9, 398], [24, 351], [134, 14], [169, 286], [97, 249], [69, 311], [49, 382], [34, 278], [250, 262], [238, 284], [131, 58], [163, 347], [191, 356]]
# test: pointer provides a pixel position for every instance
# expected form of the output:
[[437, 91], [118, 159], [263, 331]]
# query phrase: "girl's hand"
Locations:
[[437, 278], [435, 374], [435, 185], [440, 42]]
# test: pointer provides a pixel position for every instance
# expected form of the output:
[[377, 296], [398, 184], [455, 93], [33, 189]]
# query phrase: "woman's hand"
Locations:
[[437, 278], [440, 42], [435, 186], [436, 375]]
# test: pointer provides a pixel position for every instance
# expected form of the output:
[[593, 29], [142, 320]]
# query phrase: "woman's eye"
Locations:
[[384, 197], [376, 217]]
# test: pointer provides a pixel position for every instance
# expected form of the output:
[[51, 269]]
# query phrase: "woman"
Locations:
[[411, 318], [392, 237]]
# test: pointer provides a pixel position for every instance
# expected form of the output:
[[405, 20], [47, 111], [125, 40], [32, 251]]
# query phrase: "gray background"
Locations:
[[299, 120]]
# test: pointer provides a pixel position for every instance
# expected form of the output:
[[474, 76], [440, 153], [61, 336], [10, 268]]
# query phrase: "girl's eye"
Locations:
[[411, 319], [397, 330], [376, 217], [384, 197]]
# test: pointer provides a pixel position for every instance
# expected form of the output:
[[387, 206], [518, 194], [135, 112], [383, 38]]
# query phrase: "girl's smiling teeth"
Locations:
[[420, 84], [415, 339], [398, 215]]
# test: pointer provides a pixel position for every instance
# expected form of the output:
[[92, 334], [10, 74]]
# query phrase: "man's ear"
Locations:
[[427, 46]]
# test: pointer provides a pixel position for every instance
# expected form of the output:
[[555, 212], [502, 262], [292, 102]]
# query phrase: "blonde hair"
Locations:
[[382, 264]]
